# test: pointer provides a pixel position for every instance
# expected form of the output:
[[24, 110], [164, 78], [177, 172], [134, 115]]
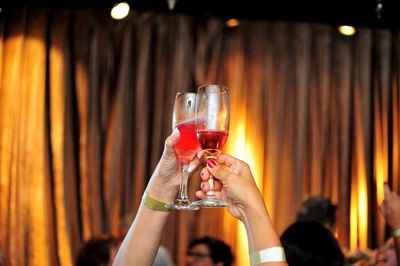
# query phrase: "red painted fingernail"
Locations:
[[211, 163]]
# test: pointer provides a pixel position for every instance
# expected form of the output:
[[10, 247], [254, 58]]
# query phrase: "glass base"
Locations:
[[210, 202], [179, 204]]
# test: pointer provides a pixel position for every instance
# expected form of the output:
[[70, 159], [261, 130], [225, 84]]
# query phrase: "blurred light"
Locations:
[[120, 10], [171, 4], [353, 220], [363, 214], [233, 22], [381, 176], [347, 30]]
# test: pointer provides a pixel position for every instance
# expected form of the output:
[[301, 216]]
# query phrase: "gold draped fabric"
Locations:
[[86, 102]]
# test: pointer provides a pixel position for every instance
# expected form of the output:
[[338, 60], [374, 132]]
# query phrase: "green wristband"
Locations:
[[154, 204]]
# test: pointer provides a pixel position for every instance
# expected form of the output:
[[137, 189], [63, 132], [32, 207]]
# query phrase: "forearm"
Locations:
[[142, 241], [140, 245], [260, 231]]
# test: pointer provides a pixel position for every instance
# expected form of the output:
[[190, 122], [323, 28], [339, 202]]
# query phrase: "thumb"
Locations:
[[170, 142], [218, 171]]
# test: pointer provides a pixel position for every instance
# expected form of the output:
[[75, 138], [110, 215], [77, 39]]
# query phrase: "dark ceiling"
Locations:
[[354, 12]]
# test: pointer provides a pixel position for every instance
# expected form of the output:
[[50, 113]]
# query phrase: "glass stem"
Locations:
[[211, 184], [183, 182], [211, 193]]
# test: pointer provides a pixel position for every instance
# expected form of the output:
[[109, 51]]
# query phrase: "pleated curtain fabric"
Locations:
[[86, 104]]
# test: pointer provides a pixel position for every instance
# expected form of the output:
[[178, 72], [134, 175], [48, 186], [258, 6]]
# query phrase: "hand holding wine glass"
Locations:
[[212, 127], [235, 185], [183, 119]]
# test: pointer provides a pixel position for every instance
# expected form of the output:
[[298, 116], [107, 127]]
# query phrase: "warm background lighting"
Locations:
[[120, 10], [232, 22], [347, 30]]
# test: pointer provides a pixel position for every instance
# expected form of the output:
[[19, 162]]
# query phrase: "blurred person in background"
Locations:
[[390, 208], [311, 243], [318, 209], [208, 251], [98, 251]]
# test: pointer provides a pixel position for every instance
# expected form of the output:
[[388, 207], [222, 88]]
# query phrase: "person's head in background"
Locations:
[[98, 251], [319, 209], [208, 251], [311, 243]]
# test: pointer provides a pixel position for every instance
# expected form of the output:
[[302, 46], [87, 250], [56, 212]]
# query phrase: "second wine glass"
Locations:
[[212, 127], [183, 118]]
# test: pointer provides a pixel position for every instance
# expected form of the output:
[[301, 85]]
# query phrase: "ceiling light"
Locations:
[[171, 4], [120, 10], [233, 22], [347, 30]]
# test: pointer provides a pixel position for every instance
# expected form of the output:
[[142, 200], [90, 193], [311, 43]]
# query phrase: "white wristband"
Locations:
[[274, 254], [396, 233]]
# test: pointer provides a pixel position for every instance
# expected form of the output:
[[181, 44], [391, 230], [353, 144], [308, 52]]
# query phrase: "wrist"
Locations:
[[254, 215], [254, 211], [154, 204], [161, 190], [259, 227]]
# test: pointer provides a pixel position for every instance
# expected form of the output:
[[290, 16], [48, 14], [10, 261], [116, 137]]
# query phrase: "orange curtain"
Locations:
[[85, 105]]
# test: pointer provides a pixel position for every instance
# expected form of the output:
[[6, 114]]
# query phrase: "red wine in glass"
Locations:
[[188, 145], [212, 141], [183, 118], [212, 128]]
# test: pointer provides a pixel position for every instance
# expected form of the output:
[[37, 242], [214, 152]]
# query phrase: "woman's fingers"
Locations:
[[227, 159], [196, 162], [220, 195], [170, 142], [200, 194], [205, 185], [218, 171], [204, 174]]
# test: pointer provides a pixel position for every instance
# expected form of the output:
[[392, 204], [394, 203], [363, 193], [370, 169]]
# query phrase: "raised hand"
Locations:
[[390, 208], [235, 184], [164, 183]]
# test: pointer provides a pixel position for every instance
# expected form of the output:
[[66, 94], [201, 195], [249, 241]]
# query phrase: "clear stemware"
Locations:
[[183, 118], [212, 127]]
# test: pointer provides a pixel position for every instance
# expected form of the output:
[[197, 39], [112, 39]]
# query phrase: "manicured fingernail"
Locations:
[[211, 163], [201, 186], [202, 174]]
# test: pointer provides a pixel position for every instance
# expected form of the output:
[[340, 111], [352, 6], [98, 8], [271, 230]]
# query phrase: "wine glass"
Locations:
[[212, 127], [183, 118]]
